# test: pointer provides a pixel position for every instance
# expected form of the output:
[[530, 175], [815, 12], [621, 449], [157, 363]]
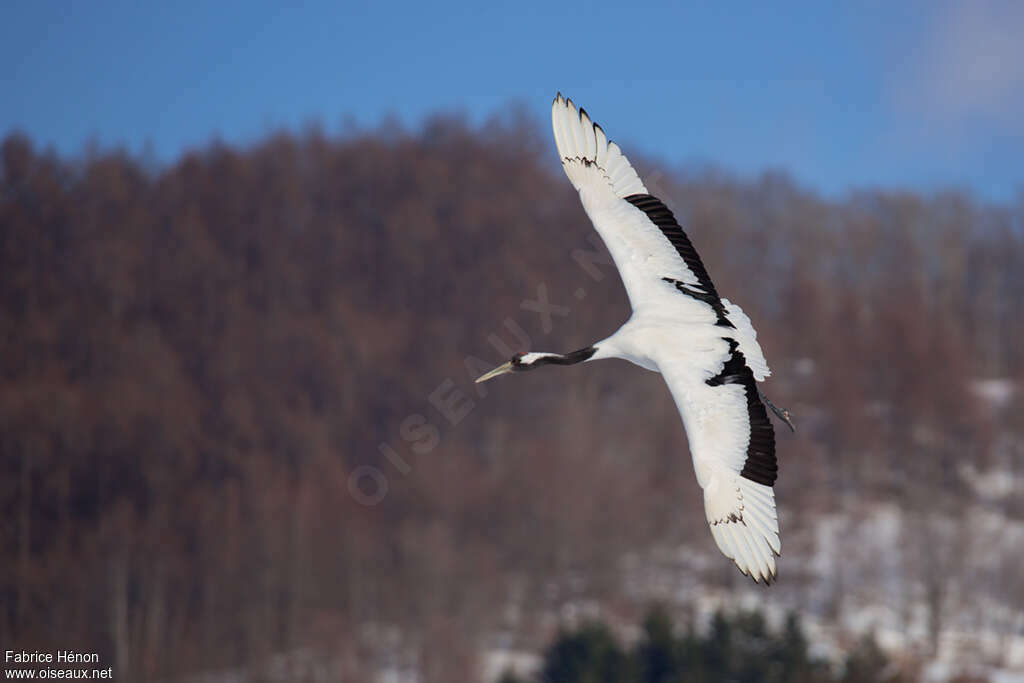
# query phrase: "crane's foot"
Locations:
[[779, 413]]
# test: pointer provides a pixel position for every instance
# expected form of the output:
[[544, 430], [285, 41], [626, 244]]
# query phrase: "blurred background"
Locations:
[[252, 258]]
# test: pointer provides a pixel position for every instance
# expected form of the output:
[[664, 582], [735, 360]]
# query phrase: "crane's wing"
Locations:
[[658, 265], [733, 447]]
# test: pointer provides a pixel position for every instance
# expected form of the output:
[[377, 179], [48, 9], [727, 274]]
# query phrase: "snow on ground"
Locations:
[[497, 661], [863, 570], [858, 563], [991, 484], [997, 392]]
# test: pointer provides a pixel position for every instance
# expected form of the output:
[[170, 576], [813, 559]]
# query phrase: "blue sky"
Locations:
[[919, 95]]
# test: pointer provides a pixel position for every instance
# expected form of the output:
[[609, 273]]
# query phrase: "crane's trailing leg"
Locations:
[[779, 412]]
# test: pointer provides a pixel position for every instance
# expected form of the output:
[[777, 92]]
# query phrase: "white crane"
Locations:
[[703, 345]]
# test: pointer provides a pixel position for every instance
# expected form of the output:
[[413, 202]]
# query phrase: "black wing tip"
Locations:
[[773, 577]]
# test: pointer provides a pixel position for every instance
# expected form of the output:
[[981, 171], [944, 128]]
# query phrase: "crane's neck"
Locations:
[[630, 342], [535, 359]]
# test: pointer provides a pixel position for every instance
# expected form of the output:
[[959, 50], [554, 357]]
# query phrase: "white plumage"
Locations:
[[704, 346]]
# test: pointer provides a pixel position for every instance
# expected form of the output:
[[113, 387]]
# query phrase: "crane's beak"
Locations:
[[500, 370]]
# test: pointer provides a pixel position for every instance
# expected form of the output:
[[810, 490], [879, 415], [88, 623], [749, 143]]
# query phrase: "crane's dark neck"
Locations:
[[571, 358]]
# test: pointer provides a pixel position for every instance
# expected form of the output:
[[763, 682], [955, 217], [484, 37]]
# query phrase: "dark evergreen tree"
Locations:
[[658, 654], [588, 655], [736, 648]]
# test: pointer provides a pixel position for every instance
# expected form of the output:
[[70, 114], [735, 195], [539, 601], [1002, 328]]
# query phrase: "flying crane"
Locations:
[[702, 344]]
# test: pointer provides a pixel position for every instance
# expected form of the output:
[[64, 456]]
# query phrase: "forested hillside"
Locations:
[[237, 416]]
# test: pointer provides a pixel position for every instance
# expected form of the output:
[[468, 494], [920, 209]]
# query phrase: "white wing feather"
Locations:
[[746, 337], [581, 143]]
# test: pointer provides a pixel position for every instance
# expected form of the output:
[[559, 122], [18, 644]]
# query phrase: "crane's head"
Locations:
[[520, 362], [533, 359]]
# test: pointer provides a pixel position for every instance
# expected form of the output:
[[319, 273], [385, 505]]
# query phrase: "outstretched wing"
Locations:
[[655, 258], [733, 447]]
